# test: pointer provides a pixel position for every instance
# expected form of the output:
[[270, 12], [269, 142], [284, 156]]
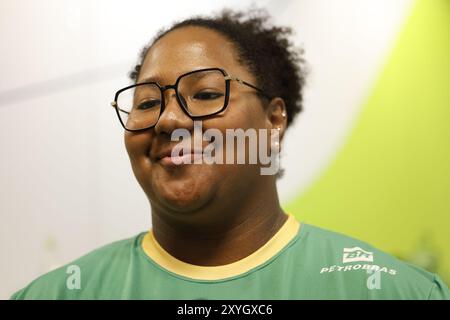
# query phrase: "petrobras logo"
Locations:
[[356, 254], [369, 268]]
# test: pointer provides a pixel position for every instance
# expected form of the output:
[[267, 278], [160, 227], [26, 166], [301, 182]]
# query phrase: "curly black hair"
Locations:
[[267, 52]]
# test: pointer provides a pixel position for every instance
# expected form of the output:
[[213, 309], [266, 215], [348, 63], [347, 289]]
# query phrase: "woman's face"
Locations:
[[189, 187]]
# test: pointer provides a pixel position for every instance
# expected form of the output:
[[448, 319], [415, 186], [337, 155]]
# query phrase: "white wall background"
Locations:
[[66, 186]]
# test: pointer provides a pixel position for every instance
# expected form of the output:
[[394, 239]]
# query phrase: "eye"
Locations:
[[207, 95], [148, 104]]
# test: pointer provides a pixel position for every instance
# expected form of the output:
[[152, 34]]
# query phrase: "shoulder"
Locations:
[[62, 282], [365, 270]]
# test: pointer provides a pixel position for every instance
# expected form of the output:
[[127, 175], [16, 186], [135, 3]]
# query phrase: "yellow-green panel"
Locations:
[[390, 182]]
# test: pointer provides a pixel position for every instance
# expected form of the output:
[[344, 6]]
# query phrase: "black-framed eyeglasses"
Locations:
[[200, 93]]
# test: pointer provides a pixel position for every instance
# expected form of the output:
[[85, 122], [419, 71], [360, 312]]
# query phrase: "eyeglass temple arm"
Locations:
[[248, 84], [114, 105]]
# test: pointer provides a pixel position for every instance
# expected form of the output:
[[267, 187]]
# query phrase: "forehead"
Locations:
[[186, 49]]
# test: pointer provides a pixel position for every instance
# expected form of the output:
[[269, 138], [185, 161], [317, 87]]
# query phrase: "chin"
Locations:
[[180, 189], [183, 196]]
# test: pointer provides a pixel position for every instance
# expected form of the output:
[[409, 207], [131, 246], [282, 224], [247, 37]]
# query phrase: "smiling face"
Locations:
[[189, 187]]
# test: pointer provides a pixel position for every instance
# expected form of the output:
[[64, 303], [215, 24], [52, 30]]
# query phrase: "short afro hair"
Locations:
[[278, 66]]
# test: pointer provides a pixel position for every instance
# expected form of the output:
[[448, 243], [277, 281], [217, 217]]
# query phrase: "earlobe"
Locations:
[[277, 115]]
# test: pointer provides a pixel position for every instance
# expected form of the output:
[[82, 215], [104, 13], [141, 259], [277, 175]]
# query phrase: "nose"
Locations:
[[173, 116]]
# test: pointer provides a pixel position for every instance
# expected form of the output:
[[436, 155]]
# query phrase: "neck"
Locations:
[[235, 230]]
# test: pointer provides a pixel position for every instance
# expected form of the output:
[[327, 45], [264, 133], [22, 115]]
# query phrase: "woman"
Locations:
[[218, 231]]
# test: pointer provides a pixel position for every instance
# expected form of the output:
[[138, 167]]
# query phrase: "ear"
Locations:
[[276, 115]]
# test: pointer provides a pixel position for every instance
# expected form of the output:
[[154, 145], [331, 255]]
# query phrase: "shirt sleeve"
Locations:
[[16, 295], [439, 291]]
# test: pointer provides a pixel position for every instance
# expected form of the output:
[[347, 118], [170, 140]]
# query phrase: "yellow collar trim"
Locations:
[[279, 240]]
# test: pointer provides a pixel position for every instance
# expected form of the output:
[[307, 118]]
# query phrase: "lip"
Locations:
[[165, 157]]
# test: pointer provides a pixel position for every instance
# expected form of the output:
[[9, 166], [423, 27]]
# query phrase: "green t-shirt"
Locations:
[[300, 261]]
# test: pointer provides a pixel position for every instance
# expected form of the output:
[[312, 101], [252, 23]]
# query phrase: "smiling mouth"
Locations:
[[192, 157]]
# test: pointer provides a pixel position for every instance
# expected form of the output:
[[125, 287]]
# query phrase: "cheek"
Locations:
[[137, 144], [241, 113]]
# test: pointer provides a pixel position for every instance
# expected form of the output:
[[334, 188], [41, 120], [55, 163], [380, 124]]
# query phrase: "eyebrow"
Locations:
[[150, 79], [155, 78]]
